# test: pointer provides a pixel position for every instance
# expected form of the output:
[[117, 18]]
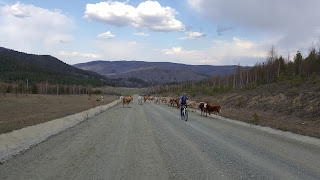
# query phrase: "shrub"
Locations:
[[314, 78], [303, 76], [293, 90], [241, 102], [9, 89], [34, 89], [97, 91], [256, 117], [281, 77], [296, 81], [3, 89]]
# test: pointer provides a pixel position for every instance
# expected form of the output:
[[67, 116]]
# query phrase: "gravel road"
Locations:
[[150, 141]]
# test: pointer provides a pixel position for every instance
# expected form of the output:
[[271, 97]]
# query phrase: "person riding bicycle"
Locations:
[[184, 100]]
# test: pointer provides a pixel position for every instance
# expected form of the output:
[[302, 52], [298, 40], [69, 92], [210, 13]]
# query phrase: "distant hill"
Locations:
[[160, 75], [19, 66], [160, 72], [112, 67]]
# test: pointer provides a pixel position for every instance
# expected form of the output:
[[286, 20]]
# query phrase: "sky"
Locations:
[[198, 32]]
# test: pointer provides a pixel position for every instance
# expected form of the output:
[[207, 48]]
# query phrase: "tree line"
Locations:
[[273, 69]]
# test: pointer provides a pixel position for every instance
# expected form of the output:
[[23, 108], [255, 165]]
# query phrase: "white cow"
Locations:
[[140, 100]]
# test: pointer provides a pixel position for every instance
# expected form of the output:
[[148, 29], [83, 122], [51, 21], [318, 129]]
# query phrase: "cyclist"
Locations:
[[184, 100]]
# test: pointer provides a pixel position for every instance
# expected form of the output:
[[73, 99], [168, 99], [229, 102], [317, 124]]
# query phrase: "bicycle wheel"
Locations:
[[186, 116], [182, 117]]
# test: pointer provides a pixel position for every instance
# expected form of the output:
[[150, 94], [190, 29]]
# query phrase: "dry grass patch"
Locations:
[[18, 111]]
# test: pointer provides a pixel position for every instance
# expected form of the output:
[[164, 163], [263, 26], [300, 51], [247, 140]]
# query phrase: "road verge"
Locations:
[[286, 134], [14, 142]]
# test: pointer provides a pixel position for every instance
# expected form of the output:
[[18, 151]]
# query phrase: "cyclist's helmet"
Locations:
[[184, 94]]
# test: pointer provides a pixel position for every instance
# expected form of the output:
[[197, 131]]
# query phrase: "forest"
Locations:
[[274, 69], [21, 77]]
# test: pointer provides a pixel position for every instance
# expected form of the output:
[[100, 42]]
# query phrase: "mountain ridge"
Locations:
[[171, 72], [107, 67], [156, 74], [46, 61], [19, 66]]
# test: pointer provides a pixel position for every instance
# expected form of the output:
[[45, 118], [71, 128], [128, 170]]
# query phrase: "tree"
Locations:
[[298, 63], [272, 55], [34, 89], [311, 62]]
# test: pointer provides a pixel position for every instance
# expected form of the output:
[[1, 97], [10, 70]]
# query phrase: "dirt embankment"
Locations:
[[19, 111], [281, 106]]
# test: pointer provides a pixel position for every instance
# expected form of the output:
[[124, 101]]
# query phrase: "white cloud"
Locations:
[[193, 35], [124, 50], [79, 54], [296, 22], [220, 52], [148, 15], [176, 51], [178, 54], [232, 52], [140, 34], [106, 35], [27, 27]]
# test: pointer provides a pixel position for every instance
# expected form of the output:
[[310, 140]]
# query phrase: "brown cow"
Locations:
[[211, 108], [177, 102], [172, 101], [145, 99], [126, 100], [203, 107]]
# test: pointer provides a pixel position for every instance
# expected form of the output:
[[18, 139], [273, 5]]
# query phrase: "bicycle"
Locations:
[[184, 113]]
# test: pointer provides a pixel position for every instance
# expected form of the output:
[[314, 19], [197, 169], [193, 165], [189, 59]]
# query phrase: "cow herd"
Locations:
[[205, 107]]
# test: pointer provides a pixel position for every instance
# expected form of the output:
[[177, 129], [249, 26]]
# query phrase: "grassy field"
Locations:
[[18, 111]]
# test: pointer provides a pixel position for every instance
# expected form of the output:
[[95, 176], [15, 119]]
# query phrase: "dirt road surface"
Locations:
[[150, 141]]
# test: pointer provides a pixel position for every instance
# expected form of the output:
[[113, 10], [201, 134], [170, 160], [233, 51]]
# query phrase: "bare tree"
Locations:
[[47, 87], [27, 85]]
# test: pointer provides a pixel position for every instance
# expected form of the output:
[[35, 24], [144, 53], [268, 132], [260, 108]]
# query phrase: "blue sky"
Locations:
[[214, 32]]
